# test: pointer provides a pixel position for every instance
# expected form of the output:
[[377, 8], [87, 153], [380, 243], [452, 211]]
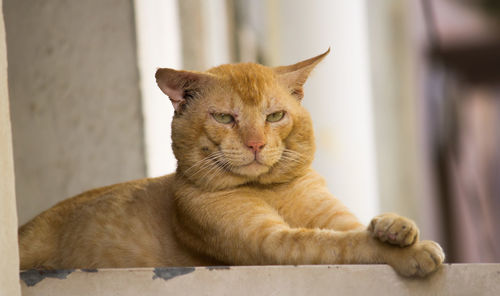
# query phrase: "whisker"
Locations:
[[202, 168], [208, 157], [293, 156], [298, 161], [203, 164], [219, 171], [228, 166], [214, 166]]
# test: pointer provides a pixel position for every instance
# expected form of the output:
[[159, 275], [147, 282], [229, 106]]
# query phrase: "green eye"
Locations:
[[223, 118], [276, 116]]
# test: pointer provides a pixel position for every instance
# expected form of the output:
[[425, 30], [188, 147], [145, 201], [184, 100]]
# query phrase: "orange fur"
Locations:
[[243, 192]]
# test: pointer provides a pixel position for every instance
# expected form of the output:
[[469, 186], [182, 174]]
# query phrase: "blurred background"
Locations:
[[406, 108]]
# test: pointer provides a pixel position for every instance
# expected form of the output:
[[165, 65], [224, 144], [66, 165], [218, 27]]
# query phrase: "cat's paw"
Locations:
[[421, 259], [394, 229]]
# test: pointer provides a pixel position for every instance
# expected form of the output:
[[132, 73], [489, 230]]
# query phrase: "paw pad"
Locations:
[[394, 229]]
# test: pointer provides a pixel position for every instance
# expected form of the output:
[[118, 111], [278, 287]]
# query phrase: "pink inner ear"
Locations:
[[294, 81], [175, 95]]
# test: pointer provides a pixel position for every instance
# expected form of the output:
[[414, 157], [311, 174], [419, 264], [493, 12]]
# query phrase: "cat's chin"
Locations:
[[252, 170]]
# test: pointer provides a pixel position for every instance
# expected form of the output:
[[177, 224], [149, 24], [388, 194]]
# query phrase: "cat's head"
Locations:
[[240, 123]]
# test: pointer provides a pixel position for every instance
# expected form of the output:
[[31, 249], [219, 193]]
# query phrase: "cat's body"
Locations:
[[243, 192], [124, 225]]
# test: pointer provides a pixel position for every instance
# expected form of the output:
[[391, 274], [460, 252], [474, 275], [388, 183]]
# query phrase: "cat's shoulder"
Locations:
[[309, 180], [311, 177], [139, 190]]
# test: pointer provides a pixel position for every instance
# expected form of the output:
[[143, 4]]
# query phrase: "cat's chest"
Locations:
[[292, 199]]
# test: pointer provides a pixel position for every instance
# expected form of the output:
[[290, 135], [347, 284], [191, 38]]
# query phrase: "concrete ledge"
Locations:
[[455, 279]]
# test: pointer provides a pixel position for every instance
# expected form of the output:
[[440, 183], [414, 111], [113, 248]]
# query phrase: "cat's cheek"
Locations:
[[206, 146], [284, 127], [217, 131], [272, 153]]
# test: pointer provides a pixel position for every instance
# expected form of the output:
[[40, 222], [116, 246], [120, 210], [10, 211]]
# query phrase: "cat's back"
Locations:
[[102, 228]]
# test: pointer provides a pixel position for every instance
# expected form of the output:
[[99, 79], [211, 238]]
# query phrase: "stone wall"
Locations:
[[75, 100]]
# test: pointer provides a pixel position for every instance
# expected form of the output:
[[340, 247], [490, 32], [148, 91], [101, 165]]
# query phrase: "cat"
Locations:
[[243, 193]]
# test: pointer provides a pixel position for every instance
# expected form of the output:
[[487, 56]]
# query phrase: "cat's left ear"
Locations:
[[294, 76], [181, 86]]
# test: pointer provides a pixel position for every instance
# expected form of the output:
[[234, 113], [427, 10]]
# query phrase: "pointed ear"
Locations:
[[294, 76], [181, 86]]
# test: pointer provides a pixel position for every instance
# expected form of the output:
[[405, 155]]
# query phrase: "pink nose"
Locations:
[[255, 145]]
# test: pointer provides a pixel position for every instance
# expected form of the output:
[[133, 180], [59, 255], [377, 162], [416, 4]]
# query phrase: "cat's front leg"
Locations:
[[394, 229]]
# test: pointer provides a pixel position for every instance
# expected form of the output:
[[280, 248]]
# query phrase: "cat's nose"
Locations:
[[256, 146]]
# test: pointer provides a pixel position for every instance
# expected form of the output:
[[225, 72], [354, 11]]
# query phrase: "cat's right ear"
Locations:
[[294, 76], [181, 86]]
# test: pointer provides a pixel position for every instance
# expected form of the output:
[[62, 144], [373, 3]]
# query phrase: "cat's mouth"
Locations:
[[238, 162], [251, 169], [255, 162]]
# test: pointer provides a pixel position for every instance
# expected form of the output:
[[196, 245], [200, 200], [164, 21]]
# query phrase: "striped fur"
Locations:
[[243, 192]]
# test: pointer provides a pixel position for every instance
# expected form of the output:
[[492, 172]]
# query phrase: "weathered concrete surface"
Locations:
[[9, 262], [461, 279], [75, 100]]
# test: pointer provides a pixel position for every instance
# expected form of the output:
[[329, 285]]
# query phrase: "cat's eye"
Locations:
[[223, 118], [276, 116]]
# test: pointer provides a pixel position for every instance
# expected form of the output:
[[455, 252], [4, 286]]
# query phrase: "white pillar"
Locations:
[[338, 93], [159, 45], [9, 257]]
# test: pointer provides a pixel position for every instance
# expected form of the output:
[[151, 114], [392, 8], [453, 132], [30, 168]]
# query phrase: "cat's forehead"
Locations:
[[252, 83]]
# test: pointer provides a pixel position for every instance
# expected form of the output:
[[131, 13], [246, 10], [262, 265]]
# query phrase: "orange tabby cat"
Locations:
[[243, 192]]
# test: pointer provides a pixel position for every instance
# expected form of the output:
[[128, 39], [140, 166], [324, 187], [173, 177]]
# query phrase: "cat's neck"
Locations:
[[232, 181]]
